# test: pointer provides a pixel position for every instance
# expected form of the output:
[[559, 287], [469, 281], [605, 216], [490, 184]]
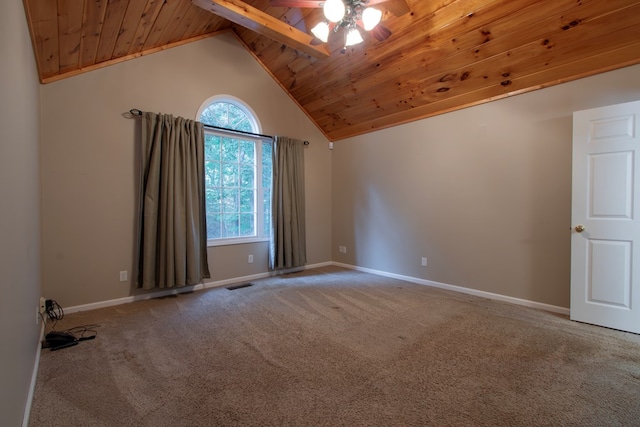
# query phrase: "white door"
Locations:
[[605, 245]]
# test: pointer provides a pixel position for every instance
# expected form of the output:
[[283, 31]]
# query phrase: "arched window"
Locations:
[[237, 173], [228, 113]]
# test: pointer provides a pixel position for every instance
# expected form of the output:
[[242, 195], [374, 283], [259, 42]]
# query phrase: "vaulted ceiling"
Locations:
[[442, 55]]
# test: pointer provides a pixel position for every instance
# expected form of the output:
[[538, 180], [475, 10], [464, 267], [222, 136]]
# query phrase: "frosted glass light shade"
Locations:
[[370, 18], [333, 10], [353, 37], [321, 31]]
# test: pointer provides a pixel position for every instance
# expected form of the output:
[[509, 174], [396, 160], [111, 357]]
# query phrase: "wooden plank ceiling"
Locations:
[[443, 55]]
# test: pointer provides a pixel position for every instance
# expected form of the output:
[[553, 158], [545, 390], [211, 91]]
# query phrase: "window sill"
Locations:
[[238, 241]]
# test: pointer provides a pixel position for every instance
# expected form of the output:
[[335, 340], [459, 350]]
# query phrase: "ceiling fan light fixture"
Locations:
[[348, 15], [353, 37], [370, 18], [321, 31], [334, 10]]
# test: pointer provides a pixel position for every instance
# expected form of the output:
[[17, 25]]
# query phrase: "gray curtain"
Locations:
[[173, 233], [288, 246]]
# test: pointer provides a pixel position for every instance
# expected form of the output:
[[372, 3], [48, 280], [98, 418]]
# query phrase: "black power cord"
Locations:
[[69, 337], [83, 332], [54, 311]]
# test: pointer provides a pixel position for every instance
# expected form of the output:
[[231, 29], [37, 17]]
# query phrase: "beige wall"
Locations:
[[90, 162], [484, 193], [19, 212]]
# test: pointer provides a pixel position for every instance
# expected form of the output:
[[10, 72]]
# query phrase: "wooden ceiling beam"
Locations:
[[254, 19]]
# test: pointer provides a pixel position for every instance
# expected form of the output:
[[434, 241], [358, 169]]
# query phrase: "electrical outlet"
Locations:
[[424, 261], [250, 259], [123, 276], [342, 249], [42, 308]]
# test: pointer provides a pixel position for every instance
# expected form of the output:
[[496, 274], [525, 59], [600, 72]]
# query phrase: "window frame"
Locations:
[[262, 233]]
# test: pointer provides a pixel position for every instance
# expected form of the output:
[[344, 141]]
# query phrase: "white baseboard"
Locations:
[[174, 291], [226, 282], [489, 295], [34, 379]]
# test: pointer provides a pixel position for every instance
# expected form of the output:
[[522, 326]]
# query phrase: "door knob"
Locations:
[[579, 228]]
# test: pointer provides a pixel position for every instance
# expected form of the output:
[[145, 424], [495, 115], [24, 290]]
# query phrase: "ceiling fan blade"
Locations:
[[397, 7], [296, 3], [380, 32]]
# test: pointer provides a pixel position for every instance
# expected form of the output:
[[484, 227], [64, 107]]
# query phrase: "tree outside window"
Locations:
[[237, 174]]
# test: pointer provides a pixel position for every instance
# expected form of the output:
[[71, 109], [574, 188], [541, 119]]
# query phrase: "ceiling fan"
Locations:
[[347, 15]]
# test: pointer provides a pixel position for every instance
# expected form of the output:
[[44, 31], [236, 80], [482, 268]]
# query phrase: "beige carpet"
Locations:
[[334, 347]]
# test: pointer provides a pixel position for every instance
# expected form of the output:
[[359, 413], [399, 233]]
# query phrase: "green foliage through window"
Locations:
[[237, 175]]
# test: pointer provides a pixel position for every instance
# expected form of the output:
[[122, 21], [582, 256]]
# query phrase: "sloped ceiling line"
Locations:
[[442, 55]]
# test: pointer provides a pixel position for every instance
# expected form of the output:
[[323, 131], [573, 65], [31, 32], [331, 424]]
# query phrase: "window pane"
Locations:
[[267, 169], [213, 226], [208, 116], [221, 113], [212, 174], [267, 211], [247, 201], [230, 150], [213, 200], [247, 174], [230, 175], [247, 225], [266, 152], [237, 119], [216, 114], [247, 152], [230, 225], [266, 176], [211, 147], [230, 200]]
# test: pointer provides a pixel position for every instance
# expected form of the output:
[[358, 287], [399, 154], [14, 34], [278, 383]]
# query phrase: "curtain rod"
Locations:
[[137, 112]]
